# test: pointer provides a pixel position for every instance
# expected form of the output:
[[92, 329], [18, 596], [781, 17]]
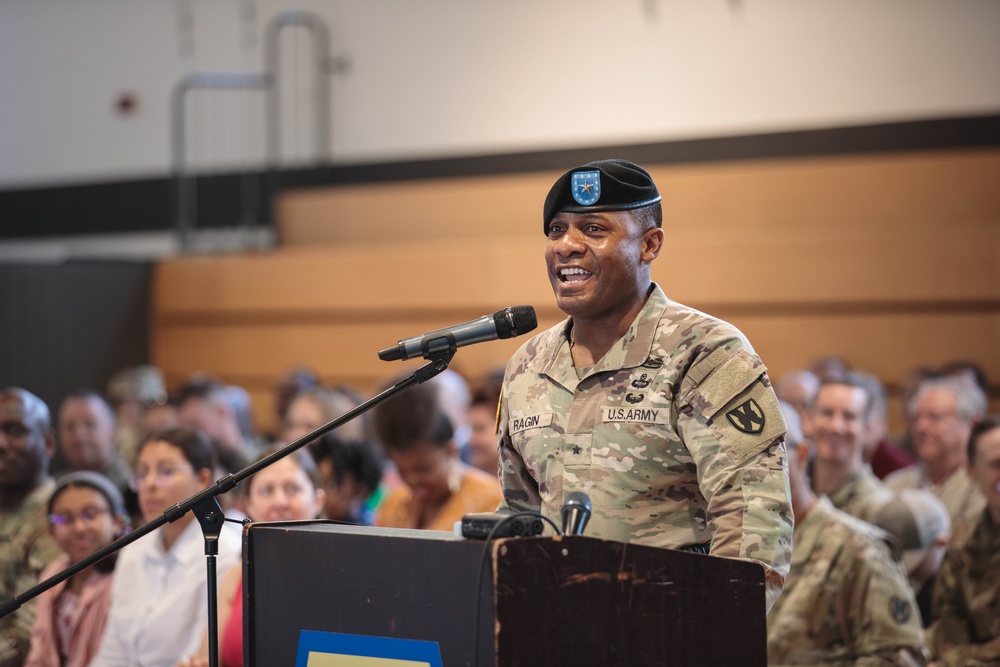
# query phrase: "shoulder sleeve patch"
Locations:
[[750, 422]]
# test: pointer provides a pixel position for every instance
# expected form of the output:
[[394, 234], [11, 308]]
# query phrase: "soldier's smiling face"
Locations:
[[598, 263], [839, 421]]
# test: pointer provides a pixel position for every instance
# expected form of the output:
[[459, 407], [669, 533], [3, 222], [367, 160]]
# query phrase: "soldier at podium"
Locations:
[[663, 415]]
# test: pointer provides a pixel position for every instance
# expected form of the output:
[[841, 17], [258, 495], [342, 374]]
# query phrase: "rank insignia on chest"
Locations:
[[747, 417]]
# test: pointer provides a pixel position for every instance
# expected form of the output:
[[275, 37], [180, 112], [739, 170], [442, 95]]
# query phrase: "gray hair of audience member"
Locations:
[[454, 396], [793, 425], [803, 378], [876, 390], [35, 408], [849, 379], [970, 401], [916, 518], [86, 393]]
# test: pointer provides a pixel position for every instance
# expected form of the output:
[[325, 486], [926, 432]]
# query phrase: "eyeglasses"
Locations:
[[291, 490], [87, 515], [163, 475]]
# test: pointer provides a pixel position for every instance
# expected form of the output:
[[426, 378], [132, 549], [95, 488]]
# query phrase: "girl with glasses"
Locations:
[[86, 513]]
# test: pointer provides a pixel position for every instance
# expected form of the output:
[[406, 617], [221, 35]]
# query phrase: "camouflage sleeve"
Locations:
[[520, 491], [730, 422], [949, 637], [885, 624], [951, 616], [15, 629]]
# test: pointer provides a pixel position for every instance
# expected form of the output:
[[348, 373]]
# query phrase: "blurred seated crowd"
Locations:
[[896, 554]]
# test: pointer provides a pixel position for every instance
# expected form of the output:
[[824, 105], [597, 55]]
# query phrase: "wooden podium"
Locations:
[[540, 601]]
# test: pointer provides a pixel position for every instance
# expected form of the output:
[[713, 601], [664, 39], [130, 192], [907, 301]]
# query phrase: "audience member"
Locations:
[[437, 489], [86, 513], [798, 389], [286, 490], [159, 597], [846, 600], [841, 413], [966, 632], [207, 405], [921, 525], [484, 447], [351, 474], [883, 455], [157, 418], [942, 413], [87, 437], [134, 391], [27, 444], [291, 383], [312, 408]]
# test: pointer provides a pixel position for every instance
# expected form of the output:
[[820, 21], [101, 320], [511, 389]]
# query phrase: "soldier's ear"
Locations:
[[652, 243]]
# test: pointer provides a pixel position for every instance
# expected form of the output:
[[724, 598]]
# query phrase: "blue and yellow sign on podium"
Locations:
[[332, 649]]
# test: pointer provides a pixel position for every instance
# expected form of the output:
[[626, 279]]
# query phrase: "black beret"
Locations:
[[605, 185]]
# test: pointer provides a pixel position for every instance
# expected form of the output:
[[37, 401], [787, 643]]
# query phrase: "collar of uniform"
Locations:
[[631, 350], [13, 520]]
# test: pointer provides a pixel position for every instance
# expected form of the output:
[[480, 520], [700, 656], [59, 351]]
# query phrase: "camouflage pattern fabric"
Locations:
[[26, 547], [847, 600], [862, 496], [964, 500], [967, 600], [675, 435]]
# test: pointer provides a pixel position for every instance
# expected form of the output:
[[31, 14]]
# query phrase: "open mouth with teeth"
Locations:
[[573, 274]]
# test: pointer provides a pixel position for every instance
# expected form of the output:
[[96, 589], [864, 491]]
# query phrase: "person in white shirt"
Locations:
[[159, 607]]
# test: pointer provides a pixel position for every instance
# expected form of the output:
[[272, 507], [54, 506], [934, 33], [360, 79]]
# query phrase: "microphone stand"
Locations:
[[208, 512]]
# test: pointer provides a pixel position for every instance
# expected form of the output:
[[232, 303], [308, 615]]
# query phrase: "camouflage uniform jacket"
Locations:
[[967, 600], [675, 434], [862, 495], [26, 547], [964, 500], [847, 600]]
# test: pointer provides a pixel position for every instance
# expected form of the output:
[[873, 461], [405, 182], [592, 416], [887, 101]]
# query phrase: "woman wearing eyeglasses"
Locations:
[[86, 513], [159, 605]]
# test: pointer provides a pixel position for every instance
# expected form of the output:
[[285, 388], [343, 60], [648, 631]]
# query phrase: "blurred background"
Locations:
[[242, 187]]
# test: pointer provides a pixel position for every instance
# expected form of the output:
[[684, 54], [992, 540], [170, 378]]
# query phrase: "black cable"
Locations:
[[482, 568]]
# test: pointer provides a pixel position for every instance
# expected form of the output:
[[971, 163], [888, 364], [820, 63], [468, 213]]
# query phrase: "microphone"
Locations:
[[575, 513], [507, 323]]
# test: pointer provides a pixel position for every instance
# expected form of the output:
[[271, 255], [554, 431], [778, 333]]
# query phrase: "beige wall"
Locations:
[[888, 260]]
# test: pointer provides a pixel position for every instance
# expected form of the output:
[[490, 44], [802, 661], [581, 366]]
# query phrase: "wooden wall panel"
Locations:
[[888, 260]]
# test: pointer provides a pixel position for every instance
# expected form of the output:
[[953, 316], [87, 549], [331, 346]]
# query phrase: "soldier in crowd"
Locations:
[[942, 414], [665, 416], [967, 593], [920, 523], [27, 444], [846, 600], [840, 415], [87, 437]]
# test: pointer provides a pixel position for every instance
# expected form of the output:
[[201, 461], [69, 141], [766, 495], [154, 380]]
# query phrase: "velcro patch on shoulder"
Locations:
[[750, 422], [721, 376]]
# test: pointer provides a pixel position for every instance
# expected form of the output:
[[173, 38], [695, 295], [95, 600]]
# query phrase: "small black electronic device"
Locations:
[[477, 526]]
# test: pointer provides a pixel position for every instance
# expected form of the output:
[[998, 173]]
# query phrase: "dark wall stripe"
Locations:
[[144, 205]]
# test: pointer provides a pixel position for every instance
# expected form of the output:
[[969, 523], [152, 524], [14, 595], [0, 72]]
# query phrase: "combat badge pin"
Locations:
[[900, 609], [747, 417], [586, 187]]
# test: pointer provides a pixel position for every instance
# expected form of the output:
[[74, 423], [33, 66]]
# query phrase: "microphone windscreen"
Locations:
[[514, 321]]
